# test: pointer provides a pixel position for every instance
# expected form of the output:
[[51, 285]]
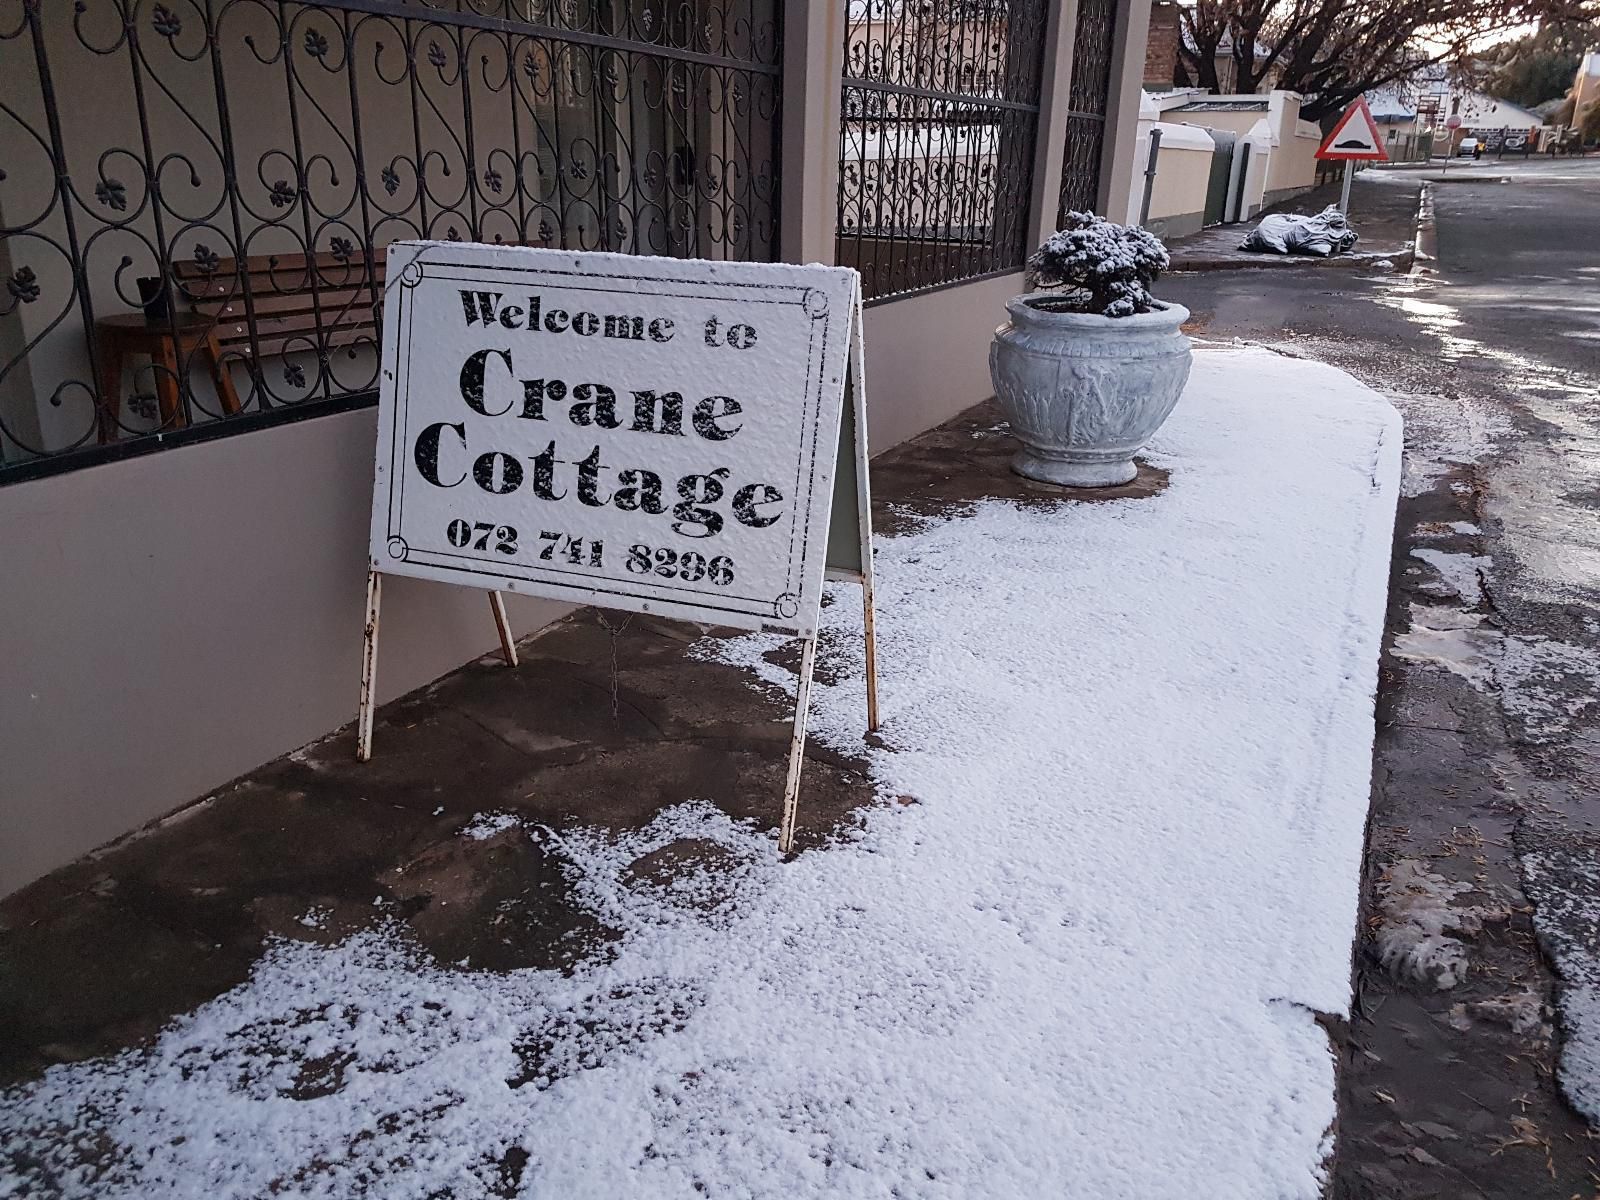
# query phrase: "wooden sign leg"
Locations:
[[369, 668], [797, 747], [508, 645]]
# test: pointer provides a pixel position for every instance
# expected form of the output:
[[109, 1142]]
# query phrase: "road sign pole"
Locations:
[[1353, 138]]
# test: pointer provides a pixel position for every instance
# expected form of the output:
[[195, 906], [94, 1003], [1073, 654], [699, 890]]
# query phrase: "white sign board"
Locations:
[[647, 434]]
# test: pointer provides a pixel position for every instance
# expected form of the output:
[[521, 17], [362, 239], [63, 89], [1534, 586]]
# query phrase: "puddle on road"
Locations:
[[1552, 526], [1544, 686]]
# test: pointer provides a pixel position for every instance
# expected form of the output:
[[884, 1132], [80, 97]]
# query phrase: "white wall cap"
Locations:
[[1185, 137]]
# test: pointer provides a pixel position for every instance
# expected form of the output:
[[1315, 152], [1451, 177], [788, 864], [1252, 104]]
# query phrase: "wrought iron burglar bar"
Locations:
[[1088, 100], [211, 184], [941, 108]]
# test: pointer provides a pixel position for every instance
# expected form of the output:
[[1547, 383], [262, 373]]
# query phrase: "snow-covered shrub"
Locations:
[[1112, 266]]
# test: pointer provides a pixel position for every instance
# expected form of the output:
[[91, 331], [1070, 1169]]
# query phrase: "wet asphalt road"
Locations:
[[1474, 1049]]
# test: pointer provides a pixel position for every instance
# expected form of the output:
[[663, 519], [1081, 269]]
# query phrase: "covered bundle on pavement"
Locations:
[[1325, 234]]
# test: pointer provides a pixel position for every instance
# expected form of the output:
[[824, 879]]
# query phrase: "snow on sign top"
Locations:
[[1355, 136], [653, 435]]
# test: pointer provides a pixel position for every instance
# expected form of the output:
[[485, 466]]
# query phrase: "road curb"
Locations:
[[1425, 249], [1403, 259]]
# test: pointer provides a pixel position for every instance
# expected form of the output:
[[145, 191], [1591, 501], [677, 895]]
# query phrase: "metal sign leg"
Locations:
[[872, 648], [797, 747], [508, 645], [369, 668]]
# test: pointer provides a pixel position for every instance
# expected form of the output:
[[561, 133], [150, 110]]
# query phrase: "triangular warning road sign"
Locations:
[[1355, 136]]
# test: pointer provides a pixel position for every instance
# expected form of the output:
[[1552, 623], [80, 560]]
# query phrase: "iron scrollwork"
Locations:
[[226, 173], [941, 109], [1088, 100]]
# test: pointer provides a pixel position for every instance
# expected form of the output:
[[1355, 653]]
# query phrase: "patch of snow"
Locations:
[[484, 826], [1442, 529], [1418, 916], [1543, 685], [1546, 684], [1567, 916], [1453, 640], [1461, 575], [1086, 963]]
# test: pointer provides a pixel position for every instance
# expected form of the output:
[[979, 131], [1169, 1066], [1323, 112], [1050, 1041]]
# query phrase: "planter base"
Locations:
[[1068, 472]]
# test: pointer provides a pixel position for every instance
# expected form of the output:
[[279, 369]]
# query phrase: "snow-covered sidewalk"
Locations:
[[1078, 951]]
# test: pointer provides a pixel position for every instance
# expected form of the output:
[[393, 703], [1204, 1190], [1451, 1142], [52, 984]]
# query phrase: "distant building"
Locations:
[[1413, 110]]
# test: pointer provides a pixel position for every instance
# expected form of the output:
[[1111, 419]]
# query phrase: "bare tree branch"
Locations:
[[1332, 51]]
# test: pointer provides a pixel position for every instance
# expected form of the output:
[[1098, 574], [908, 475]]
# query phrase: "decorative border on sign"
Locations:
[[786, 605]]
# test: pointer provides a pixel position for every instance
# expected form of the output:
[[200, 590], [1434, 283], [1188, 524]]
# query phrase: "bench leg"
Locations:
[[222, 376], [164, 365], [109, 411]]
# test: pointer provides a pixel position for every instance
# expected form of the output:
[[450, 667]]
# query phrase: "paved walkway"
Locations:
[[607, 722], [1465, 1063], [1383, 210], [543, 944]]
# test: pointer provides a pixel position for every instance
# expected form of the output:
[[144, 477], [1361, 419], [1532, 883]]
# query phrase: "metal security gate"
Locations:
[[211, 183], [1221, 175], [940, 116], [1088, 101]]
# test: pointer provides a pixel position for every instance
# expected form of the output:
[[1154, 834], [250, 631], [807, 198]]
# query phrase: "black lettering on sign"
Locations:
[[589, 469], [426, 452], [671, 412], [596, 404], [496, 472], [544, 473], [696, 492], [480, 306], [460, 533], [689, 565], [472, 375], [535, 392], [713, 409], [752, 494], [640, 492]]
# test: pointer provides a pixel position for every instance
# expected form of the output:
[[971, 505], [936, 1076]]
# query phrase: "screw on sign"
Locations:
[[1353, 138]]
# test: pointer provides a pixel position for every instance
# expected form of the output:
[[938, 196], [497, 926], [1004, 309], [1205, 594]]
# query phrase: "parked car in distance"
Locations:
[[1467, 148]]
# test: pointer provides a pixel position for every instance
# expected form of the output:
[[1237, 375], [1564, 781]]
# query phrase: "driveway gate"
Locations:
[[1221, 173]]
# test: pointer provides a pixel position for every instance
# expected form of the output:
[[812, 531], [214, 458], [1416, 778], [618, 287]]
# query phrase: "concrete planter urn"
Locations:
[[1085, 392], [1086, 375]]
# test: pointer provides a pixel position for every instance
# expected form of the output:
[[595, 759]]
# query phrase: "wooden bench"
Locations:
[[292, 303]]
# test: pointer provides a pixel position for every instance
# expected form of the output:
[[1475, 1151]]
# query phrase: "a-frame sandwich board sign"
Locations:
[[652, 435]]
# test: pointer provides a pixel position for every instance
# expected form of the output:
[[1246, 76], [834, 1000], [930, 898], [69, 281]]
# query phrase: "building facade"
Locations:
[[195, 201]]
